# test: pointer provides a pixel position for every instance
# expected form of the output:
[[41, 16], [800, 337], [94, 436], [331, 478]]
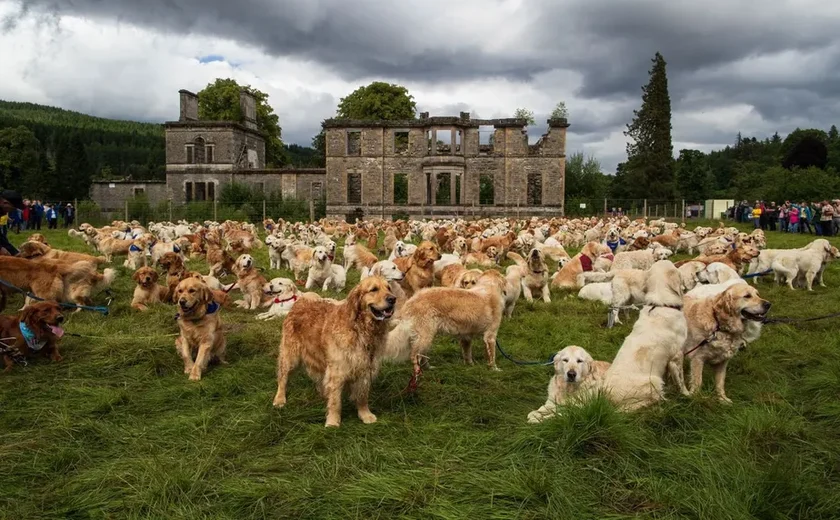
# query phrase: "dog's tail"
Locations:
[[516, 257], [105, 279], [76, 271], [398, 344]]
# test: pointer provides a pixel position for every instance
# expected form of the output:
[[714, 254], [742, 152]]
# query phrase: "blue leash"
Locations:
[[103, 310], [769, 271], [512, 360]]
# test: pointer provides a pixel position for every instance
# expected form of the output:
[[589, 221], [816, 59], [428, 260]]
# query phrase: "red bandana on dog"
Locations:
[[585, 263]]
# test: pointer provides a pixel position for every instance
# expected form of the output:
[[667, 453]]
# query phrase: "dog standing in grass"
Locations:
[[201, 327]]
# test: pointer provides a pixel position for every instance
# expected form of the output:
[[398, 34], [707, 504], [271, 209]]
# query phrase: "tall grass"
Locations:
[[117, 431]]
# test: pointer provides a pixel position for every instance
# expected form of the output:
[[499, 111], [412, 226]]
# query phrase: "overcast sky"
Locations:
[[755, 66]]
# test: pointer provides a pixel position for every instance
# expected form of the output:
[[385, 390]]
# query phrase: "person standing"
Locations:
[[39, 214], [793, 227], [772, 216], [805, 218], [827, 219], [9, 201], [69, 213], [52, 217], [836, 227], [756, 216]]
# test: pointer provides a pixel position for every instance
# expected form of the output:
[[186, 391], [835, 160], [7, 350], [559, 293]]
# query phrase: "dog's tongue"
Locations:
[[57, 331]]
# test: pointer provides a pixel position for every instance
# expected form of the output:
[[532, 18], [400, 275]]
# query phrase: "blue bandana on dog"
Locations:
[[614, 245], [212, 307], [29, 336], [134, 249]]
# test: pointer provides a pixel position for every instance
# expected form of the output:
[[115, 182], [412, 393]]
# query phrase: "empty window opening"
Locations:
[[317, 190], [443, 197], [400, 143], [211, 191], [428, 187], [139, 191], [534, 189], [457, 188], [190, 151], [429, 137], [486, 138], [210, 153], [354, 188], [486, 196], [400, 188], [199, 150], [444, 142], [259, 187], [200, 191], [354, 142], [459, 135]]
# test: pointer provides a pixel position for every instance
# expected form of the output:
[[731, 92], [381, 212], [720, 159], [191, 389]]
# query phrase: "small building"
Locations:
[[716, 208]]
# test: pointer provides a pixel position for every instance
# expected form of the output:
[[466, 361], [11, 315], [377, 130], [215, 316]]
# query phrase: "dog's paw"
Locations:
[[279, 402], [332, 424], [188, 369], [534, 418], [725, 400], [367, 418], [195, 375]]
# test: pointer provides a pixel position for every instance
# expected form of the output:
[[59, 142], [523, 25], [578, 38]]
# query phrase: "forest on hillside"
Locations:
[[41, 144]]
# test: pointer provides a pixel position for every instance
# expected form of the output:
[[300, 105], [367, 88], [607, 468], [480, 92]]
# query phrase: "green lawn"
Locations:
[[117, 431]]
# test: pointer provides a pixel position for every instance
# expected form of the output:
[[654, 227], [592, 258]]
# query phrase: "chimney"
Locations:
[[248, 107], [189, 106]]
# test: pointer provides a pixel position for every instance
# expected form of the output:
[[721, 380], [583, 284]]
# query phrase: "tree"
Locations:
[[560, 111], [319, 144], [72, 170], [20, 160], [219, 101], [527, 115], [805, 148], [694, 177], [378, 101], [584, 179], [650, 154], [832, 133]]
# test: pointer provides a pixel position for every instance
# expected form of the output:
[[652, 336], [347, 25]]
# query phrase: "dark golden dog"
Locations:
[[201, 327], [36, 329]]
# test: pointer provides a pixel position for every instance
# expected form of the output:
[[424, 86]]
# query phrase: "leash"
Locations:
[[122, 337], [101, 309], [770, 321], [769, 271], [523, 363]]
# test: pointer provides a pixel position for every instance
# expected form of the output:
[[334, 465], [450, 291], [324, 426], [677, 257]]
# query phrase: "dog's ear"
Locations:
[[205, 294], [726, 311], [136, 276], [354, 301], [32, 315]]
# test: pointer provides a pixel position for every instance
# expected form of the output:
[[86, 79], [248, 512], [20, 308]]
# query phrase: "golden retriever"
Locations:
[[147, 292], [250, 282], [340, 344], [654, 346], [201, 327], [572, 366], [32, 249], [567, 276], [418, 268], [536, 274], [36, 329], [464, 313], [719, 325]]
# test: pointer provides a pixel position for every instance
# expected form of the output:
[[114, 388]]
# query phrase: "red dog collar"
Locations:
[[293, 298]]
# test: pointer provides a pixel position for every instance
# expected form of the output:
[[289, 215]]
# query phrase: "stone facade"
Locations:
[[376, 151], [112, 195]]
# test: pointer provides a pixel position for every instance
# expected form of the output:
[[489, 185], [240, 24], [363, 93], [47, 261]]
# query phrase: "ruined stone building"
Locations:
[[439, 166], [430, 166]]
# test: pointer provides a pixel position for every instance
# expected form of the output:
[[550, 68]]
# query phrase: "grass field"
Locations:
[[117, 431]]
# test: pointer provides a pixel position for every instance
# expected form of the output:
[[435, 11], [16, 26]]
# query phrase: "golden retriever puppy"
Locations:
[[536, 274], [572, 366], [654, 346], [718, 327], [583, 262], [148, 291], [250, 282], [419, 268], [201, 327], [36, 329], [465, 313], [340, 345]]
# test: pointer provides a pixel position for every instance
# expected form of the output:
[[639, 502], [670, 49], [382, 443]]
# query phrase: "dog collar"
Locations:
[[29, 336], [675, 307], [212, 307], [294, 298], [609, 257]]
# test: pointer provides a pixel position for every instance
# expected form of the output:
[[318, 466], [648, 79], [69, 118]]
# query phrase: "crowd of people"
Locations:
[[817, 218], [30, 214]]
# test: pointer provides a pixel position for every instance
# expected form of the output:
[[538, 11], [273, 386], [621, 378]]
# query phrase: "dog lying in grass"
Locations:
[[573, 366], [148, 291], [36, 329]]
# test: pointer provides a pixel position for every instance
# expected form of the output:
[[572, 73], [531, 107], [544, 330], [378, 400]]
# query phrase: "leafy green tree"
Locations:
[[694, 177], [378, 101], [650, 154], [20, 160], [219, 101], [805, 148], [319, 144], [527, 115], [73, 173], [584, 179]]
